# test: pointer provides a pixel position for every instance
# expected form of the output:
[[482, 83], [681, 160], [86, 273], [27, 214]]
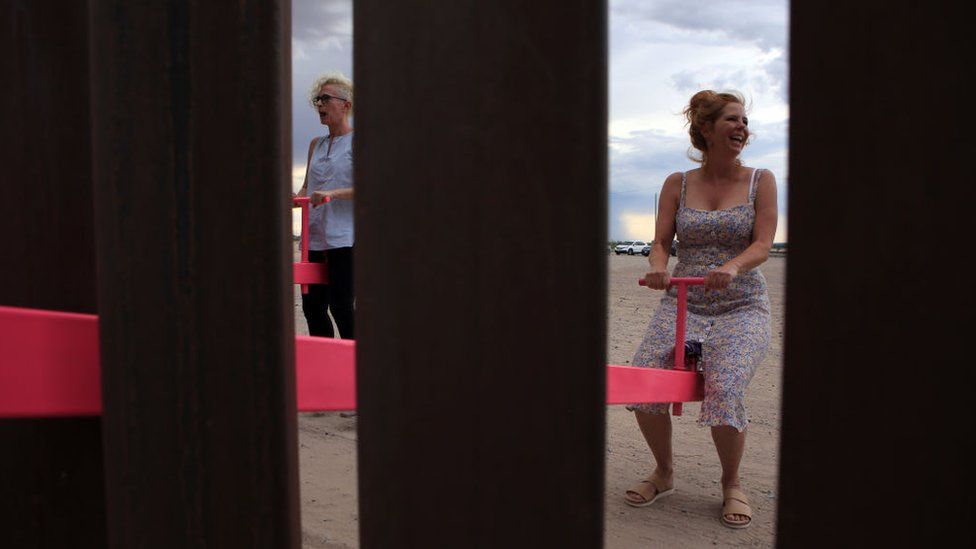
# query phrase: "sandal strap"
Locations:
[[658, 483], [736, 507], [733, 492], [735, 502], [655, 483]]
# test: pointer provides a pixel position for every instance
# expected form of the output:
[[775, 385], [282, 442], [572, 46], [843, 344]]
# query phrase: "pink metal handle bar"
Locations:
[[679, 323], [690, 281], [303, 202]]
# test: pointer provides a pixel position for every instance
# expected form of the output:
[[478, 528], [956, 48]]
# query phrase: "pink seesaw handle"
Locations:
[[679, 324], [303, 203], [299, 201], [691, 281]]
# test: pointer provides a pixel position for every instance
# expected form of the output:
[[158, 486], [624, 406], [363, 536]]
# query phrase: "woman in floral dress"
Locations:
[[725, 216]]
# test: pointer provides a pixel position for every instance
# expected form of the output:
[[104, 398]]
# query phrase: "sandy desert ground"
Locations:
[[689, 518]]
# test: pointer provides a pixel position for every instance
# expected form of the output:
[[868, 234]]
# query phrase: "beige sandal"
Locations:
[[735, 502], [649, 490]]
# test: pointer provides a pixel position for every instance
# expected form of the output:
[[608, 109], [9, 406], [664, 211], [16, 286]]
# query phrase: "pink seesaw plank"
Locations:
[[629, 385], [48, 364], [311, 273], [49, 367], [325, 373]]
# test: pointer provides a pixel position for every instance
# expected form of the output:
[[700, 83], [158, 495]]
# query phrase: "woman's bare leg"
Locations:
[[730, 444], [656, 429]]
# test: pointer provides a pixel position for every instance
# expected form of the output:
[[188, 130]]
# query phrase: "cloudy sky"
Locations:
[[661, 52]]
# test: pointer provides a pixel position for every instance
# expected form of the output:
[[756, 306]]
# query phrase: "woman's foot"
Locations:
[[736, 512], [649, 490]]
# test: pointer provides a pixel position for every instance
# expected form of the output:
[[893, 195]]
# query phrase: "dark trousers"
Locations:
[[335, 297]]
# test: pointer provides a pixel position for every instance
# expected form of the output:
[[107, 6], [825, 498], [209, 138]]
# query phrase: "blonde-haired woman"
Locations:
[[725, 216], [328, 174]]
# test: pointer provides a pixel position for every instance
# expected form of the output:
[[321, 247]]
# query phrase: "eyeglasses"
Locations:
[[324, 98]]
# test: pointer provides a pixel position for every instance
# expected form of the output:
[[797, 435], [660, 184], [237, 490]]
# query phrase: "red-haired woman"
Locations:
[[724, 215]]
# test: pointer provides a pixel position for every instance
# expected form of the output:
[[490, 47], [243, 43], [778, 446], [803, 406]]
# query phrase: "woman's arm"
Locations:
[[319, 197], [311, 147], [762, 235], [342, 194], [657, 278]]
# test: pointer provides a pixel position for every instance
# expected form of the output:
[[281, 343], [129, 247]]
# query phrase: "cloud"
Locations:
[[759, 27], [756, 79], [660, 52], [637, 225], [761, 22], [321, 42], [297, 176], [780, 229], [317, 23], [641, 161]]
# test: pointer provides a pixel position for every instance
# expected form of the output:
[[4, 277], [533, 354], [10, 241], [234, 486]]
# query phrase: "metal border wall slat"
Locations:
[[877, 379], [50, 469], [481, 178], [191, 162]]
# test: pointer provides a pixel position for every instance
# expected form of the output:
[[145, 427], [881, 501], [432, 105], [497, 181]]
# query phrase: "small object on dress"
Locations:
[[693, 356]]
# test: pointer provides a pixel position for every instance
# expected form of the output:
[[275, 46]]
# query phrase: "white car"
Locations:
[[630, 247]]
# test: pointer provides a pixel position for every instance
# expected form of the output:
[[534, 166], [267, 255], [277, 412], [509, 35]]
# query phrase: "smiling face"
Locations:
[[730, 131], [334, 110]]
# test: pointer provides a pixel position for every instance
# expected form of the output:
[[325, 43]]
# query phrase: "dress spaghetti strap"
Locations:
[[684, 178], [753, 180]]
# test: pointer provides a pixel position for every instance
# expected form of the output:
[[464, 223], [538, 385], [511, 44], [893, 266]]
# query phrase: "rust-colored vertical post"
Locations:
[[481, 178], [878, 378], [191, 132], [51, 484]]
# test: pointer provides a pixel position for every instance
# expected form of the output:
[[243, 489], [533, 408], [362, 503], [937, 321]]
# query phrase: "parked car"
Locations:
[[630, 247], [646, 250]]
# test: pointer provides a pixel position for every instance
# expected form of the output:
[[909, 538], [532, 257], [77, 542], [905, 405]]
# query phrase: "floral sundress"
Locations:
[[733, 324]]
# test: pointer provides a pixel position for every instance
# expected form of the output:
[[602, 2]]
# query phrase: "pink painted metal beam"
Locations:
[[49, 366], [679, 330], [308, 273], [311, 273], [628, 385], [325, 373]]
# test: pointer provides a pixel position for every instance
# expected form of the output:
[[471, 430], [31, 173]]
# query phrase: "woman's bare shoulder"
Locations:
[[763, 172], [765, 176], [674, 179]]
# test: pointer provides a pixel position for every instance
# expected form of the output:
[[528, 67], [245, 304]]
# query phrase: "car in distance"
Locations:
[[646, 250], [630, 247]]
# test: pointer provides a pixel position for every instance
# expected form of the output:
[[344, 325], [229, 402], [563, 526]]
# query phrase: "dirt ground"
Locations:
[[689, 518]]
